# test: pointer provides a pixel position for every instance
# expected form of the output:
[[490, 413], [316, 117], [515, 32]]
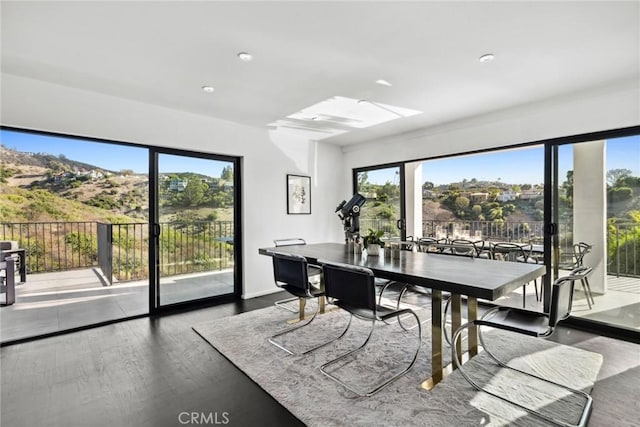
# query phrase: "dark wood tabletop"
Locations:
[[475, 277]]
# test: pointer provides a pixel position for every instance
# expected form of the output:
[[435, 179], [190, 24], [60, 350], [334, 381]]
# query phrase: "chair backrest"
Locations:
[[427, 244], [289, 242], [464, 247], [291, 270], [579, 251], [350, 284], [562, 295], [507, 251]]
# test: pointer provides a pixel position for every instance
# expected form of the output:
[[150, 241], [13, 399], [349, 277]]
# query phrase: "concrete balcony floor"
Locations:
[[52, 302]]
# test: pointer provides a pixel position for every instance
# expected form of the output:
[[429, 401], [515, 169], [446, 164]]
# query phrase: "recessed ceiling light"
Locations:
[[383, 82], [486, 58], [208, 89], [245, 56]]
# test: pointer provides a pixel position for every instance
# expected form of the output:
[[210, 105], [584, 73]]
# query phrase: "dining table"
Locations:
[[473, 278]]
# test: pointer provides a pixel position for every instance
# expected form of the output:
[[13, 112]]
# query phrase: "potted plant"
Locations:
[[373, 242]]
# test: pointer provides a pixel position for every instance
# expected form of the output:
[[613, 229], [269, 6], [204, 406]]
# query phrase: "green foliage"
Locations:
[[227, 173], [5, 173], [374, 238], [84, 244], [387, 212], [617, 177], [619, 194], [462, 202], [193, 194], [103, 201]]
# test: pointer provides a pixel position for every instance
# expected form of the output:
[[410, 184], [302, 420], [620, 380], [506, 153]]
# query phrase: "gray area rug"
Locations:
[[297, 383]]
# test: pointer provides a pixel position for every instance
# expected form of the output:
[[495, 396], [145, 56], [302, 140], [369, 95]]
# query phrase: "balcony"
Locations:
[[81, 273]]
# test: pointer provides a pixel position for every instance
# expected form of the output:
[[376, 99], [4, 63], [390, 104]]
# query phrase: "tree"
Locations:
[[194, 192], [363, 178], [615, 177], [227, 173], [462, 202], [428, 185], [477, 211], [568, 185]]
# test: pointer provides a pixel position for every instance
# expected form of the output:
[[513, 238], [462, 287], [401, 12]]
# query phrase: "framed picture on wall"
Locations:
[[298, 194]]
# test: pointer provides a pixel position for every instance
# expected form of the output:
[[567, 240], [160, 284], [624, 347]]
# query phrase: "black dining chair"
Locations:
[[352, 289], [515, 253], [290, 273], [314, 273], [540, 325]]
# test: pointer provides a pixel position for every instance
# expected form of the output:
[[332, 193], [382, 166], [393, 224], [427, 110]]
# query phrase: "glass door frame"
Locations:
[[154, 242], [401, 179]]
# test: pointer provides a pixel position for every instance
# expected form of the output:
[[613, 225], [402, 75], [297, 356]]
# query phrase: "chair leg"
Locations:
[[587, 292], [331, 340], [586, 411], [282, 303], [385, 383], [384, 288], [404, 328], [586, 282], [286, 331]]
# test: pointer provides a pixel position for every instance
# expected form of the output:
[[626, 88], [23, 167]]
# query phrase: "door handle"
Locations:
[[551, 229], [156, 230], [401, 224]]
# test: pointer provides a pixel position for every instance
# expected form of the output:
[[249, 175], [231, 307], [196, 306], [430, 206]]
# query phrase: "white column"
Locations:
[[413, 197], [590, 207]]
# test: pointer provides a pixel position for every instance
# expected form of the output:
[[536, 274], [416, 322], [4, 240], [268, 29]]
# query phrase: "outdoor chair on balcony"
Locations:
[[9, 249], [540, 325], [515, 253], [314, 273], [429, 244], [574, 260], [8, 281], [353, 289]]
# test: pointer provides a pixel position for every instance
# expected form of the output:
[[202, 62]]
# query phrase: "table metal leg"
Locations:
[[472, 314], [303, 303], [436, 341], [456, 319]]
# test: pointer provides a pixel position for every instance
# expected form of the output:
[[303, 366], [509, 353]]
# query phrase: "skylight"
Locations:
[[340, 114]]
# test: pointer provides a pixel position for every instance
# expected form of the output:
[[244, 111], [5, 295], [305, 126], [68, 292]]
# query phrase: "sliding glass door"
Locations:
[[383, 187], [195, 227], [597, 216]]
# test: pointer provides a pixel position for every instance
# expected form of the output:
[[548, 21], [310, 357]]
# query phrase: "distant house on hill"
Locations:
[[530, 194], [507, 196], [478, 197], [178, 184]]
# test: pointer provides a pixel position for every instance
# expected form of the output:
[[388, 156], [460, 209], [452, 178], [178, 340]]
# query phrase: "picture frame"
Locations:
[[298, 194]]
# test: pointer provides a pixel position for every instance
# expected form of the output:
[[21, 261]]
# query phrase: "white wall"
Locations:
[[610, 107], [267, 158]]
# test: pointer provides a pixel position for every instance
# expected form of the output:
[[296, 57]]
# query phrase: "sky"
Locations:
[[516, 166], [111, 157]]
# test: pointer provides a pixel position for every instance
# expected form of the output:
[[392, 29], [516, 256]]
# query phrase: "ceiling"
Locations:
[[307, 52]]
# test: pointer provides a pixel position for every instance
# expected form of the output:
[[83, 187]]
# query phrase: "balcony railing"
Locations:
[[205, 246], [623, 239], [122, 250]]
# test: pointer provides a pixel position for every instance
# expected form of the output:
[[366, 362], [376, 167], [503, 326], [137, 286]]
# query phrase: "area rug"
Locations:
[[297, 383]]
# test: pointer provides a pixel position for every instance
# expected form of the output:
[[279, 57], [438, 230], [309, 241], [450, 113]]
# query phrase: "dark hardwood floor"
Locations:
[[157, 372]]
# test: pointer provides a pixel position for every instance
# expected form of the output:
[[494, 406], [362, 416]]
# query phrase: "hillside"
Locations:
[[38, 187]]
